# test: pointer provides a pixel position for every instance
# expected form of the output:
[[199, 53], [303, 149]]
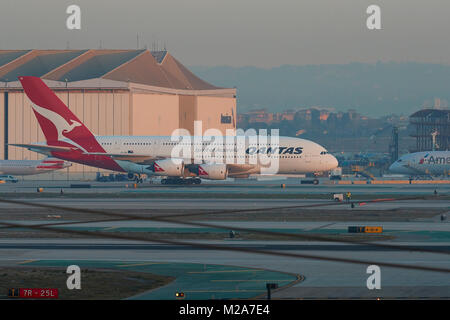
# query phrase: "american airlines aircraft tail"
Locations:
[[69, 139]]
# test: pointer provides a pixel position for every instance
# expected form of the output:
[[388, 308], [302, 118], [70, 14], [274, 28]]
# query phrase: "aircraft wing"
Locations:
[[132, 157], [234, 169]]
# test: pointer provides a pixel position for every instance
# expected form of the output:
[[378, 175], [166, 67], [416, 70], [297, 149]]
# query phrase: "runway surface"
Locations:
[[249, 187], [282, 246], [224, 204], [291, 225], [331, 278], [409, 223]]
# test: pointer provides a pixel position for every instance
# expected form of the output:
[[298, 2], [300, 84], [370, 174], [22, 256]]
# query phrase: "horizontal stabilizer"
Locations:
[[43, 148]]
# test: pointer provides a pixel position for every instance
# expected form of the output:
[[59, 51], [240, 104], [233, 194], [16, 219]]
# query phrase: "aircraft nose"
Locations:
[[332, 162], [394, 167], [397, 167]]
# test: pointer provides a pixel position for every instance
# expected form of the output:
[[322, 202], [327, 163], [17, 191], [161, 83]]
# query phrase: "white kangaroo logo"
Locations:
[[62, 126]]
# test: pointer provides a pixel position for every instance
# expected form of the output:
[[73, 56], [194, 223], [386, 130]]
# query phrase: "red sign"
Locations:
[[38, 293]]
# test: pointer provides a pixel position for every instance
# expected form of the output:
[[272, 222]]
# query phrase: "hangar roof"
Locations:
[[143, 67], [7, 56], [36, 63]]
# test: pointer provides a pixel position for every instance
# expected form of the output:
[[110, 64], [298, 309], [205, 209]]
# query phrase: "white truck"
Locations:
[[336, 174]]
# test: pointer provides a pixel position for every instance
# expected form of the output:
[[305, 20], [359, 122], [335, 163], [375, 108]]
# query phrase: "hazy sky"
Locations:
[[239, 32]]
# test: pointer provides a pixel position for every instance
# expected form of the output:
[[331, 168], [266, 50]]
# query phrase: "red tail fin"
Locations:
[[55, 118]]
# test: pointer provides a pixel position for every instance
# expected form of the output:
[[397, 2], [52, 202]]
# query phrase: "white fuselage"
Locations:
[[423, 163], [30, 167], [294, 155]]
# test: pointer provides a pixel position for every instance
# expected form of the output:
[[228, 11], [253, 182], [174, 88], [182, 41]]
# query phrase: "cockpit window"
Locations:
[[399, 160], [324, 152]]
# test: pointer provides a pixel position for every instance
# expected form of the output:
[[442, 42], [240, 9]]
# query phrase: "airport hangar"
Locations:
[[114, 92]]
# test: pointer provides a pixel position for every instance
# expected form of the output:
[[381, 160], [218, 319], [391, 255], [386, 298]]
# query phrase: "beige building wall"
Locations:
[[154, 114], [14, 126], [210, 109], [30, 126], [110, 114], [187, 113], [102, 117]]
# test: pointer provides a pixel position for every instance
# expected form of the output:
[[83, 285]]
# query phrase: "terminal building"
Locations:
[[114, 92]]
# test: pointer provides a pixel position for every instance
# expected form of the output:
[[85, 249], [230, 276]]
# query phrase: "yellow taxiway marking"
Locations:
[[225, 271], [27, 261], [141, 264]]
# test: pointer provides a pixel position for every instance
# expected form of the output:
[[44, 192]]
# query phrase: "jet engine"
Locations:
[[211, 171], [167, 167]]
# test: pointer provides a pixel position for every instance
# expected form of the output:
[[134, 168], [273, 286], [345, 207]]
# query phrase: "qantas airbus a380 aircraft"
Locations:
[[69, 139]]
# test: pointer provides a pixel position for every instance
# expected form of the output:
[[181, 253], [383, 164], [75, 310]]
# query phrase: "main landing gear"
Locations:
[[139, 180], [181, 181], [135, 177]]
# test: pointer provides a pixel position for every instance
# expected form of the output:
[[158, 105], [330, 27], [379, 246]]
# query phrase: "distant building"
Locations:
[[259, 116], [429, 122], [287, 115], [313, 115]]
